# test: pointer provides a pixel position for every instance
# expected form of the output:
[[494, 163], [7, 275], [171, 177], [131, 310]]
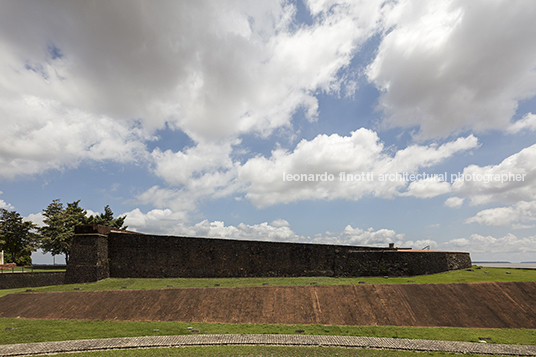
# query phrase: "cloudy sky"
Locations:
[[344, 122]]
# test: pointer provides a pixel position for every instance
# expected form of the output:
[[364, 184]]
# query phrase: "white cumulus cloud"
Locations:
[[36, 218], [357, 155], [81, 81], [157, 221], [39, 134], [168, 222], [522, 211], [512, 180], [508, 247], [357, 236], [427, 188], [527, 123], [454, 202], [446, 66], [5, 205]]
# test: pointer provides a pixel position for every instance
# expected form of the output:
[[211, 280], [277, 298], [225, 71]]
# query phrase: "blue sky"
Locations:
[[185, 116]]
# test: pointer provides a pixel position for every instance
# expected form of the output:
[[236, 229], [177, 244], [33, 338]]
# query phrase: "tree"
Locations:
[[17, 237], [107, 219], [58, 233]]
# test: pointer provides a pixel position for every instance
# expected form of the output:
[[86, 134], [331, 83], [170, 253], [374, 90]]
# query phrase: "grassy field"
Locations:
[[259, 351], [26, 330], [478, 274]]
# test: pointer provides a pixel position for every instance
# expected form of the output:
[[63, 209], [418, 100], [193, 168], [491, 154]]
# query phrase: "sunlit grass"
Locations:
[[31, 330], [260, 351], [477, 274], [28, 330]]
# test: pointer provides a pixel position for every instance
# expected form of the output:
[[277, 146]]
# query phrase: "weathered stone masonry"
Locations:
[[100, 252], [24, 280]]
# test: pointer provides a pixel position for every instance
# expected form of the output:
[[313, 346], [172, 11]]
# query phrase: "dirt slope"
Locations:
[[495, 305]]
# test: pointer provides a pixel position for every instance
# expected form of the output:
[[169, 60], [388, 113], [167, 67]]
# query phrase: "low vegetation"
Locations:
[[20, 237], [27, 330], [476, 274], [259, 351]]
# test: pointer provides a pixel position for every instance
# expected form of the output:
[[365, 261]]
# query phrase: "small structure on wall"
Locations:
[[100, 252]]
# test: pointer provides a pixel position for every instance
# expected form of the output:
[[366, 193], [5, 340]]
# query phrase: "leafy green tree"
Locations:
[[107, 219], [58, 232], [17, 237]]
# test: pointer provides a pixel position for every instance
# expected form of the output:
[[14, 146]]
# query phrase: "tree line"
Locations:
[[19, 238]]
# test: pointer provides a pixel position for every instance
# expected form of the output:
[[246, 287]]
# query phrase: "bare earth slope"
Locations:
[[484, 305]]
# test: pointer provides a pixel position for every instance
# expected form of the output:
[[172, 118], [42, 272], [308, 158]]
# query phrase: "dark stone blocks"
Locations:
[[23, 280], [88, 260], [95, 256], [163, 256]]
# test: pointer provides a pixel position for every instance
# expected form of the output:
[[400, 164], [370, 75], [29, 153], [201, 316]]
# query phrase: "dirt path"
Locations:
[[483, 305]]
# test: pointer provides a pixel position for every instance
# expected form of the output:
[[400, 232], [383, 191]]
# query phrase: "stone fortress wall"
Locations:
[[100, 252]]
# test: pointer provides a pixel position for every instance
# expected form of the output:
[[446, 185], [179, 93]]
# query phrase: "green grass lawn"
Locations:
[[477, 275], [259, 351], [27, 330]]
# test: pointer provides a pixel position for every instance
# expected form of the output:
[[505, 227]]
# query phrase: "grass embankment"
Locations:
[[25, 330], [477, 274], [260, 351], [28, 330]]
